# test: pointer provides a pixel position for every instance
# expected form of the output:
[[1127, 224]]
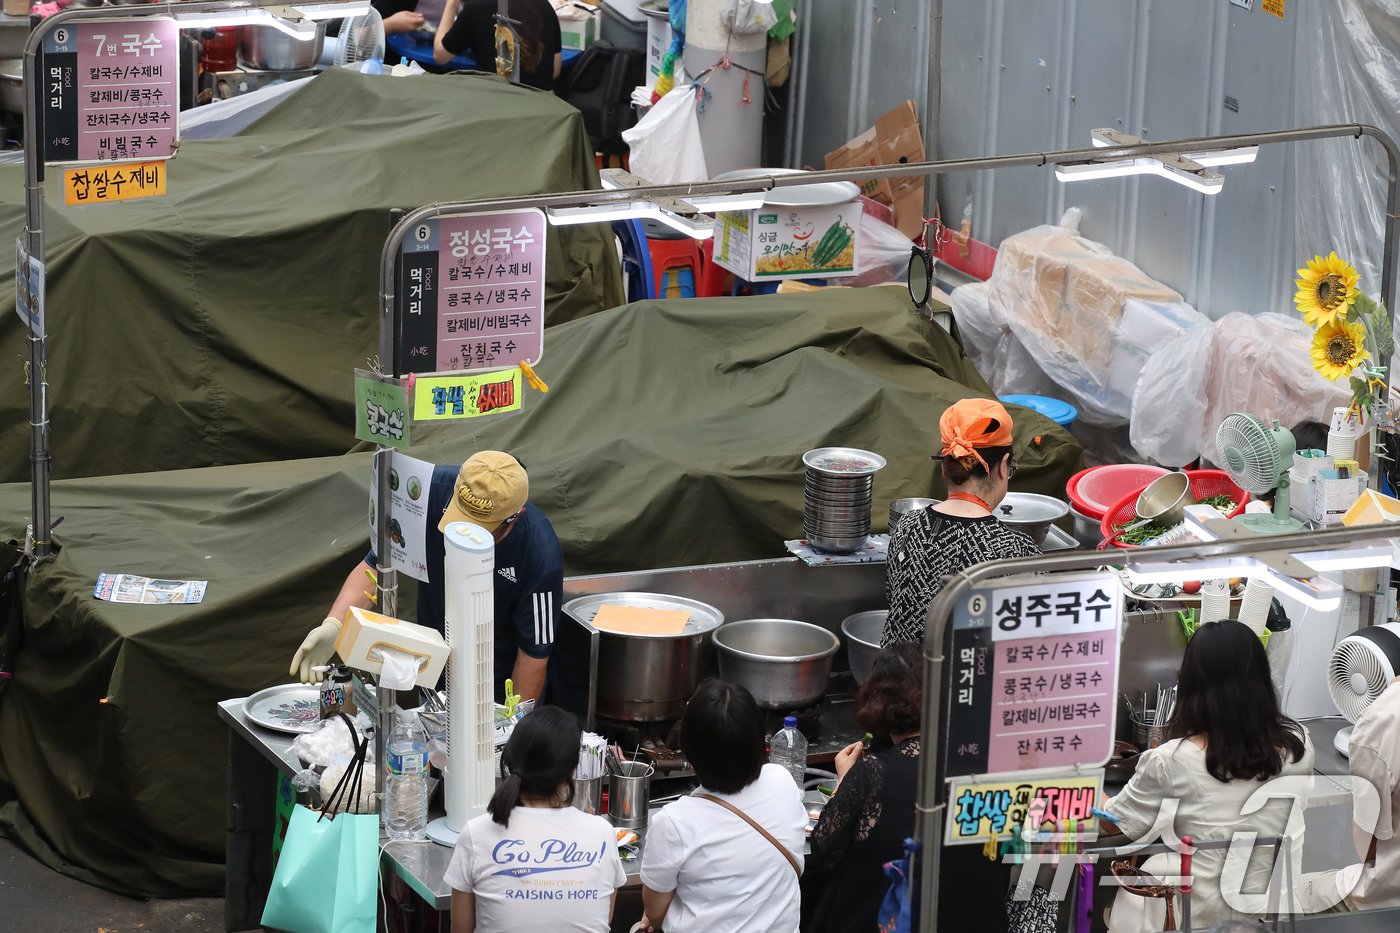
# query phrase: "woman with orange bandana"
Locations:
[[961, 532]]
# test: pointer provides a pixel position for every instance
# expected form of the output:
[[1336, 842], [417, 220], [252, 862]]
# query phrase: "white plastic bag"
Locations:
[[665, 144], [746, 17], [883, 256]]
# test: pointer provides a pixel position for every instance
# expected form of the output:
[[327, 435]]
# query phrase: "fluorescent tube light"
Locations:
[[718, 203], [1363, 557], [698, 228], [1206, 183], [1216, 157], [332, 10]]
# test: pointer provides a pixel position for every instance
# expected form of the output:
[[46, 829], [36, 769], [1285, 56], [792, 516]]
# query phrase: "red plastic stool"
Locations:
[[675, 264], [714, 279]]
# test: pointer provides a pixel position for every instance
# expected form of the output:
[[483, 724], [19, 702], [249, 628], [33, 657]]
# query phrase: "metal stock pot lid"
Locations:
[[703, 617]]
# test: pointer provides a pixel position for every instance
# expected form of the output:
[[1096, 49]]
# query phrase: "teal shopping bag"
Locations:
[[327, 880]]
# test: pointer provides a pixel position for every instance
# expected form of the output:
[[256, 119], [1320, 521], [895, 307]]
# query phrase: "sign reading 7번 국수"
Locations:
[[1035, 673]]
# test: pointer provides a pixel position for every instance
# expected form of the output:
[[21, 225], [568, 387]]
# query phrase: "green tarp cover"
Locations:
[[219, 324], [672, 435]]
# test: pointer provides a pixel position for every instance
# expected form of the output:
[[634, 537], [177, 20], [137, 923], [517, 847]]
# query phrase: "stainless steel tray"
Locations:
[[703, 617], [293, 708]]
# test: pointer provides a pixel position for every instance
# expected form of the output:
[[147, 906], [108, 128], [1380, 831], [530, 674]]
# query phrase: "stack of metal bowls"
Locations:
[[836, 514]]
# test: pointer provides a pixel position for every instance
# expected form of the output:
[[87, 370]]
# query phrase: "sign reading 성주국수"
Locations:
[[1035, 673]]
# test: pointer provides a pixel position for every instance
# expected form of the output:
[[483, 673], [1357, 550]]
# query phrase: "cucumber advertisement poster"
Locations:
[[775, 243]]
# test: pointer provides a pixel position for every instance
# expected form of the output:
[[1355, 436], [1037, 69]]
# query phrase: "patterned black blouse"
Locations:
[[927, 546]]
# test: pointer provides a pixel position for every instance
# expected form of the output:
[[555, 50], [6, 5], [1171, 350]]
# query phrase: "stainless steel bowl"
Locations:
[[1031, 513], [902, 507], [863, 632], [784, 663], [12, 85], [267, 48], [1165, 499]]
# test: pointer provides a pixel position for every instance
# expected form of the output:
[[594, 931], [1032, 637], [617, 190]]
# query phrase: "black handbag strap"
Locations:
[[353, 778]]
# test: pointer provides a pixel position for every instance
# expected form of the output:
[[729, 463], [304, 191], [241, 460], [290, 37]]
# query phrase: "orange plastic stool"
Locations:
[[676, 265], [715, 280]]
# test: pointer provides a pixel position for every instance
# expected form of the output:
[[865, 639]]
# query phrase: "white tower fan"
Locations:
[[1258, 458], [468, 782], [1362, 666]]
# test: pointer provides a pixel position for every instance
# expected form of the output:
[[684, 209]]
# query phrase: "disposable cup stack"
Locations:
[[1254, 610], [1342, 435], [1215, 600]]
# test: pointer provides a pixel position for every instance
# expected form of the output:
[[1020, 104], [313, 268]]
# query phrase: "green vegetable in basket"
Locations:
[[1222, 503], [1140, 536]]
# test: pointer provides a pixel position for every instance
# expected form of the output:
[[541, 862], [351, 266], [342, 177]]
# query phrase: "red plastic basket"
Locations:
[[1094, 490], [1204, 484]]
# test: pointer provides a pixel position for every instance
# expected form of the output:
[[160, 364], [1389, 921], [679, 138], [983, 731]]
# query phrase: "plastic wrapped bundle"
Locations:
[[1259, 364]]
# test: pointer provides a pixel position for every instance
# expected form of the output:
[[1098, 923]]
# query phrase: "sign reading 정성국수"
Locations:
[[109, 90], [1035, 674], [979, 810], [471, 292]]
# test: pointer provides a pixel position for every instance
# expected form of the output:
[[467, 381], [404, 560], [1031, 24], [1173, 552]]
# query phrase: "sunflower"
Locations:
[[1326, 289], [1338, 348]]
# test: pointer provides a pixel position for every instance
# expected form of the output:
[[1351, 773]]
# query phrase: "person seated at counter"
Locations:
[[1227, 740], [872, 812], [729, 855], [977, 462], [514, 865], [470, 26]]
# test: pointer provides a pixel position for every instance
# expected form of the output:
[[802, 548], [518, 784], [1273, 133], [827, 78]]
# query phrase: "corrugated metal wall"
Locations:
[[1032, 75], [859, 59]]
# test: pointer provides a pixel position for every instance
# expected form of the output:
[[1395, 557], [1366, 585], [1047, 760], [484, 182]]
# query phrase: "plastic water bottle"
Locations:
[[788, 749], [406, 780]]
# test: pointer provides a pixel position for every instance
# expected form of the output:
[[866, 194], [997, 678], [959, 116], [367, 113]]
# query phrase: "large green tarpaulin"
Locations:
[[220, 323], [672, 434]]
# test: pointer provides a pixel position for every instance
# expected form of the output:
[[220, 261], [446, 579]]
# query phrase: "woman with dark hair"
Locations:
[[470, 26], [945, 539], [728, 856], [532, 862], [1228, 739], [872, 812]]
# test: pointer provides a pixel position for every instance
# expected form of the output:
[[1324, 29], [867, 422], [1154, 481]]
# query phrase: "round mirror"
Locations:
[[920, 276]]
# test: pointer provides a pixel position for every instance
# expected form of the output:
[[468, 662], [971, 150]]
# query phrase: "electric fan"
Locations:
[[361, 39], [1362, 666], [1258, 458]]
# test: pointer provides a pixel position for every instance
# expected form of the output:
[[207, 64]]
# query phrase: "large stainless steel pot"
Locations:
[[270, 49], [647, 678], [1031, 513], [863, 632], [784, 663], [12, 85]]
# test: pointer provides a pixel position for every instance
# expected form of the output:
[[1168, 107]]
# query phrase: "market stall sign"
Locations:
[[102, 184], [983, 809], [29, 289], [381, 410], [1034, 675], [470, 395], [470, 294], [109, 91]]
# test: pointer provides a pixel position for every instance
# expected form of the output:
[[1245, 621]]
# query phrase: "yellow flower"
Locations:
[[1338, 348], [1326, 289]]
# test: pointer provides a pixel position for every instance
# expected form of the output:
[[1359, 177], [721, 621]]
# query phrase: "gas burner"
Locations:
[[808, 718], [659, 742]]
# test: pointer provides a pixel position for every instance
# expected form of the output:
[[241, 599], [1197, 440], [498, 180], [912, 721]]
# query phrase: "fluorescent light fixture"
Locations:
[[332, 10], [1216, 157], [1205, 182], [1362, 557], [718, 203], [698, 228], [1317, 592]]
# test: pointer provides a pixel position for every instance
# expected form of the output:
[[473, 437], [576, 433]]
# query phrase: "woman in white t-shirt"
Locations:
[[532, 862], [705, 868]]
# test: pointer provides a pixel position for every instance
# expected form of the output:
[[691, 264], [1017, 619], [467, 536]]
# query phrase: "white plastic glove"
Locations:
[[315, 651]]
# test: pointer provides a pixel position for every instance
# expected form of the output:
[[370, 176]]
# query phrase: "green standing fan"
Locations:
[[1258, 457]]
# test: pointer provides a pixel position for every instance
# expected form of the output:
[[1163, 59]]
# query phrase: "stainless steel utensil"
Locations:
[[269, 49], [1031, 513], [863, 631], [784, 663], [1165, 499]]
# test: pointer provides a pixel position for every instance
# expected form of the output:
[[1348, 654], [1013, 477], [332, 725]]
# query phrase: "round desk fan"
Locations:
[[361, 39], [1362, 666], [1258, 458]]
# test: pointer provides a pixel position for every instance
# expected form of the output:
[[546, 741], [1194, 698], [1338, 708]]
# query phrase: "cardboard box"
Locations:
[[896, 137], [578, 29], [775, 243], [1372, 508]]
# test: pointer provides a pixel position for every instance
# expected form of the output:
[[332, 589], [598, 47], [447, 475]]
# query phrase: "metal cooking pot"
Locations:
[[12, 85], [648, 678], [784, 663], [863, 632], [1031, 513], [268, 48]]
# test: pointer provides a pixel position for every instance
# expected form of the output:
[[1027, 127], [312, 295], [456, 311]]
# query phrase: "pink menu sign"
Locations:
[[471, 292], [1054, 675], [110, 91]]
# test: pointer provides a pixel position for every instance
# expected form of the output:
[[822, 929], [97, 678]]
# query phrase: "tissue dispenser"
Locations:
[[364, 635]]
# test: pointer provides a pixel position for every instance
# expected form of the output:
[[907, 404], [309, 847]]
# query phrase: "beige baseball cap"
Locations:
[[491, 487]]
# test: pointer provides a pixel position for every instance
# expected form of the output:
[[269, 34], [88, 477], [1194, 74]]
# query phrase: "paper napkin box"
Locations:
[[364, 635]]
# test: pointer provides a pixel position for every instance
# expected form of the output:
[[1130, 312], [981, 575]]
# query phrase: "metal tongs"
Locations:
[[614, 760]]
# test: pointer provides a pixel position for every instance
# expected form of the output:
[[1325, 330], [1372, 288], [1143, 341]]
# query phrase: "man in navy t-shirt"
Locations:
[[490, 490]]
